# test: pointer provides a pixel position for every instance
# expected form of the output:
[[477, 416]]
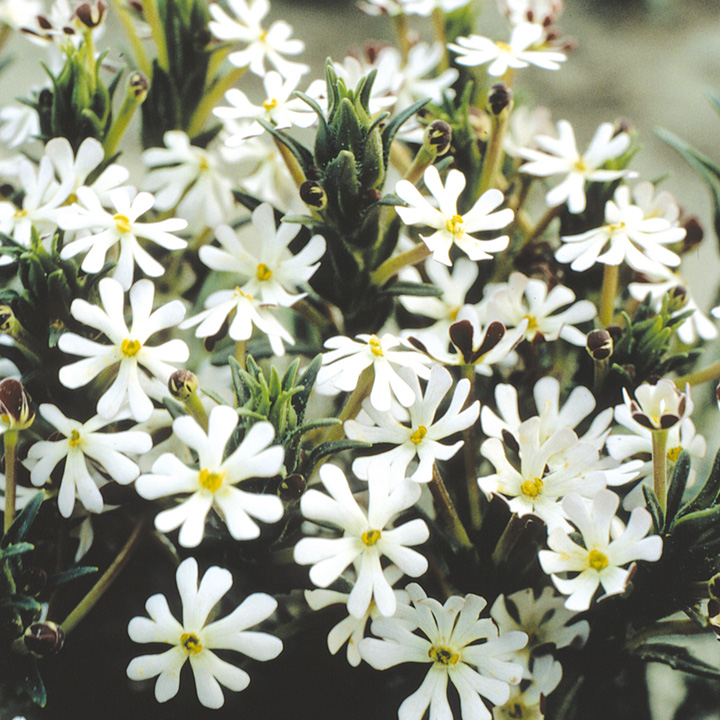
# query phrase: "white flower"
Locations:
[[367, 537], [271, 272], [122, 227], [187, 179], [20, 124], [601, 560], [451, 227], [542, 12], [195, 639], [658, 406], [86, 451], [525, 48], [280, 108], [539, 485], [528, 298], [347, 359], [559, 156], [631, 237], [213, 485], [245, 27], [449, 643], [128, 349], [17, 15], [421, 439]]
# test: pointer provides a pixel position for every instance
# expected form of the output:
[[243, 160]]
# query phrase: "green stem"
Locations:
[[494, 153], [141, 58], [135, 96], [195, 407], [711, 372], [107, 579], [440, 33], [540, 228], [469, 450], [670, 627], [611, 274], [510, 535], [152, 14], [394, 264], [10, 441], [211, 98], [353, 405], [403, 35], [447, 508], [659, 458], [241, 352]]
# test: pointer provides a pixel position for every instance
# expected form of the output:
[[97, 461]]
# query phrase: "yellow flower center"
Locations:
[[20, 213], [442, 655], [674, 453], [74, 440], [503, 46], [204, 165], [130, 347], [191, 643], [532, 488], [210, 480], [263, 272], [370, 537], [454, 225], [122, 223], [418, 436], [239, 293], [517, 711], [580, 165], [532, 322], [270, 104], [616, 227], [375, 346], [597, 560]]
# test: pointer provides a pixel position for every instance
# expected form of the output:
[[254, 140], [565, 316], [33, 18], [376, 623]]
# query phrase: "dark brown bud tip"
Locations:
[[182, 384], [439, 136], [600, 344], [44, 638], [313, 195], [138, 85], [499, 97]]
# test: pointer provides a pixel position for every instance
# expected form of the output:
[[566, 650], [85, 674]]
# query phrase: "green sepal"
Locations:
[[678, 658]]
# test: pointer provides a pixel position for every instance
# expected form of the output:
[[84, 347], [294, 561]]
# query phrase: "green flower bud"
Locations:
[[182, 384]]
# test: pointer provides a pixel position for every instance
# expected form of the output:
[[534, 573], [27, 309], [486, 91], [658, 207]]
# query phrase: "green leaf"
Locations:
[[677, 486], [21, 524], [32, 683], [16, 549], [708, 494], [391, 129], [301, 153], [678, 658], [22, 603], [411, 288], [333, 447], [69, 575], [654, 507]]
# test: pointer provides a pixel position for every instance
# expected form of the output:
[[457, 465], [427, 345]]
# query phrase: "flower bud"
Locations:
[[694, 233], [438, 135], [44, 638], [138, 86], [182, 384], [313, 195], [600, 344], [7, 319], [714, 587], [292, 487], [499, 98], [91, 15], [16, 408], [678, 298], [657, 406]]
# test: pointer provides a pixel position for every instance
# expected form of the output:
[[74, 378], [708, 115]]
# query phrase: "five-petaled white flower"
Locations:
[[367, 537], [460, 646], [631, 237], [559, 156], [601, 560], [194, 639], [450, 227], [128, 349], [213, 484], [86, 452], [421, 438], [526, 47], [107, 229], [346, 360], [245, 27]]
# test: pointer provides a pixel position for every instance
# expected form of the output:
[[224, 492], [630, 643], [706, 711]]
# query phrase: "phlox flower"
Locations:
[[421, 438], [17, 15], [128, 350], [367, 537], [526, 700], [187, 179], [526, 47], [194, 639], [631, 237], [346, 360], [542, 12], [20, 124], [213, 484], [450, 227], [539, 485], [559, 156], [550, 314], [86, 452], [120, 227], [600, 560], [271, 44], [460, 646], [262, 258]]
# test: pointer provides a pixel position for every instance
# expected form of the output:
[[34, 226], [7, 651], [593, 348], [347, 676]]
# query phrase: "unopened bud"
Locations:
[[292, 487], [694, 233], [182, 384], [7, 319], [499, 98], [16, 408], [91, 15], [714, 587], [678, 298], [44, 638], [600, 344], [313, 195], [438, 135], [138, 86]]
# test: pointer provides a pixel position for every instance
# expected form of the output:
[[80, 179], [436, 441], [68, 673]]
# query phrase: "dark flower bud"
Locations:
[[499, 97], [138, 86], [600, 344], [678, 298], [694, 233], [438, 135], [714, 587], [292, 487], [136, 6], [313, 195], [91, 15], [16, 409], [182, 384], [44, 638], [7, 319]]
